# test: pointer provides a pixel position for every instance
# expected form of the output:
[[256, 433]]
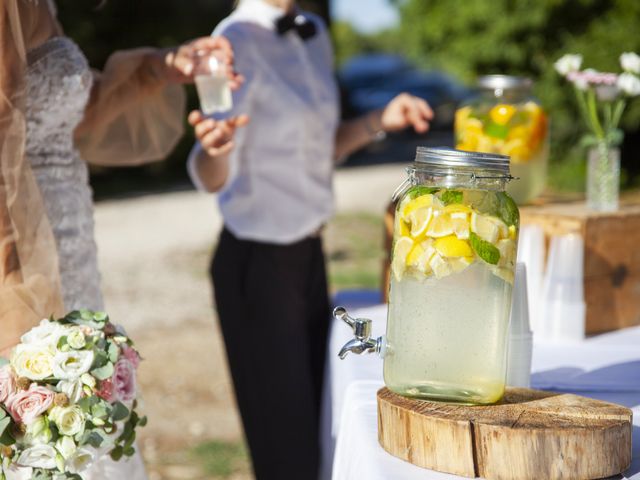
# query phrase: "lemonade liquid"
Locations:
[[214, 93], [446, 337]]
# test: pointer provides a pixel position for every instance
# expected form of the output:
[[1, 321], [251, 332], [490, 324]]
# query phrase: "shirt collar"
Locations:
[[261, 12]]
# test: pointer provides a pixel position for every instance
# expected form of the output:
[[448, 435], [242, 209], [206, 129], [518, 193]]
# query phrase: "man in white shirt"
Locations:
[[274, 184]]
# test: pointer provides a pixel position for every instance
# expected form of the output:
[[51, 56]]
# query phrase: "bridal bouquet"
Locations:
[[67, 397]]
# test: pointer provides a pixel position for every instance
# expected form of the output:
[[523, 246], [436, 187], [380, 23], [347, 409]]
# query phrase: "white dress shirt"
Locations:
[[279, 189]]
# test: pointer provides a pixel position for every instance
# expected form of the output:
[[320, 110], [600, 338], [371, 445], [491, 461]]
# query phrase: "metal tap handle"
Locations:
[[362, 343]]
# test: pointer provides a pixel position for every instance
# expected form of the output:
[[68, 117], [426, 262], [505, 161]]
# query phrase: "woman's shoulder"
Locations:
[[237, 26]]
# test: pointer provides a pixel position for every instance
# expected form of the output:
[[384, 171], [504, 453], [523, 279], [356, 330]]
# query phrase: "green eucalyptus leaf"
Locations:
[[104, 372], [130, 441], [116, 453], [87, 402], [95, 439], [120, 412], [6, 437], [100, 410], [143, 422], [114, 351], [129, 451]]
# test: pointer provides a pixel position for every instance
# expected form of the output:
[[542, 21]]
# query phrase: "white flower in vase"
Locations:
[[568, 63], [629, 84], [630, 62]]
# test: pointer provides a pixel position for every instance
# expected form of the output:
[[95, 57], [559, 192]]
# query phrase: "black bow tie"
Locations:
[[305, 28]]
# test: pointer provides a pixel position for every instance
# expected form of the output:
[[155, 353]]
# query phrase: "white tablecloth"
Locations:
[[605, 367]]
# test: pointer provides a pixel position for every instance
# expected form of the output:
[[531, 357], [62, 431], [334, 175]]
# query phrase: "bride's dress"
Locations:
[[58, 86]]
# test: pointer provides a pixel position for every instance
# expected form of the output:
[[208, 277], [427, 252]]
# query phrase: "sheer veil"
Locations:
[[29, 276]]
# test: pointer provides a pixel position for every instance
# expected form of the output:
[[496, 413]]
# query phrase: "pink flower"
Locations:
[[132, 355], [124, 381], [7, 383], [27, 405], [106, 390]]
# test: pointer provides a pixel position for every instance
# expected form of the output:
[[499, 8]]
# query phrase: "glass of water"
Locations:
[[212, 83]]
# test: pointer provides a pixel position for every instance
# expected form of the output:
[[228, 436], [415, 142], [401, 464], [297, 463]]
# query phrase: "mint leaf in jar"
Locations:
[[420, 190], [451, 196], [485, 250], [507, 209], [496, 131]]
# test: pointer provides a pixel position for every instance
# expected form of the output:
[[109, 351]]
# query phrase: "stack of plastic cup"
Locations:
[[531, 253], [520, 336], [564, 309]]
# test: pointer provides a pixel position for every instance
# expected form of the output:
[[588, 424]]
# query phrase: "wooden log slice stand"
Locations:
[[529, 435]]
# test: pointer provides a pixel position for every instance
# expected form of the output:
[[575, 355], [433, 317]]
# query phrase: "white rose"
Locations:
[[81, 460], [70, 420], [76, 339], [66, 447], [34, 362], [38, 456], [71, 365], [568, 63], [629, 84], [630, 62], [73, 389], [47, 333]]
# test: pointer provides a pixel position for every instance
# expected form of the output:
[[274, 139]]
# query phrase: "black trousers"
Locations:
[[274, 312]]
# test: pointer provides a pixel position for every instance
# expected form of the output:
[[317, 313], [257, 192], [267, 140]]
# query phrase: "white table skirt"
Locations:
[[605, 367]]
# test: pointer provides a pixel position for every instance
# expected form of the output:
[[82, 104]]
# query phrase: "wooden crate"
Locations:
[[611, 259]]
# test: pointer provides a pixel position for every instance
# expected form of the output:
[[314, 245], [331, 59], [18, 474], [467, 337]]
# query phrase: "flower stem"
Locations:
[[617, 113], [582, 105], [593, 114]]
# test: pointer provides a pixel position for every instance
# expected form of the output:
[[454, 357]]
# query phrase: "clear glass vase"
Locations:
[[603, 178]]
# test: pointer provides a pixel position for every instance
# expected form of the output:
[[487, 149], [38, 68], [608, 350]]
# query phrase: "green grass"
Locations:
[[221, 459], [354, 245]]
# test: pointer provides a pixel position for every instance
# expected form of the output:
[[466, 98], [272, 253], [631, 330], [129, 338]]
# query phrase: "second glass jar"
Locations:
[[504, 118]]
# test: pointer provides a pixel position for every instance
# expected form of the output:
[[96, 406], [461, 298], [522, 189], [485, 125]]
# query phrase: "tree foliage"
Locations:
[[475, 37]]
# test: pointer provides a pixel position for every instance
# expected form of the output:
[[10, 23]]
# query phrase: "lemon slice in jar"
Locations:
[[452, 246], [488, 228], [459, 264], [420, 221], [440, 225], [401, 251], [439, 266], [507, 250], [422, 201]]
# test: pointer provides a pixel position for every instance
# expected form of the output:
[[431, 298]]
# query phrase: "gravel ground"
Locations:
[[154, 252]]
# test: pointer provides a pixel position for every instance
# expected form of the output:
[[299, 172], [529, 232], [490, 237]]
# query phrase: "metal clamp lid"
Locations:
[[448, 157]]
